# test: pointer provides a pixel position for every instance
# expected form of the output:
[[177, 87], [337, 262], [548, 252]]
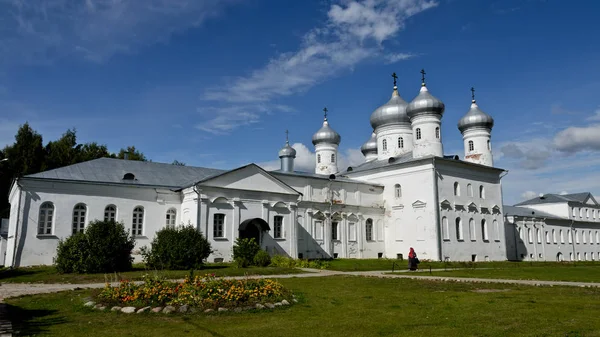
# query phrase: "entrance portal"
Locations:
[[252, 228]]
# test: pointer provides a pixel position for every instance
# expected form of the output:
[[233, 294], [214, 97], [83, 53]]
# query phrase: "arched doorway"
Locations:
[[559, 257], [252, 228]]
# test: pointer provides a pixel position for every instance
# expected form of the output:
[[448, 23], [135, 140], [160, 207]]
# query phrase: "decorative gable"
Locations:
[[249, 178], [445, 204], [485, 210], [473, 207], [496, 209], [419, 204]]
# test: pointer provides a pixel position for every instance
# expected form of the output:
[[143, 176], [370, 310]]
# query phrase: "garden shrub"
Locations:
[[244, 251], [262, 258], [103, 247], [205, 292], [288, 262], [177, 248]]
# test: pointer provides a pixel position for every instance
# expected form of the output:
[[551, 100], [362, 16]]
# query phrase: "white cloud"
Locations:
[[305, 159], [353, 32], [528, 195], [531, 154], [595, 116], [395, 57], [574, 139], [41, 31]]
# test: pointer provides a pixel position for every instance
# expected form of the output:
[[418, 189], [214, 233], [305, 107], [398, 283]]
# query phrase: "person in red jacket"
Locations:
[[413, 261]]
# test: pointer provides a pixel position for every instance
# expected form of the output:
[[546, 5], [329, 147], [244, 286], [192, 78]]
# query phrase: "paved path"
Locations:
[[8, 290]]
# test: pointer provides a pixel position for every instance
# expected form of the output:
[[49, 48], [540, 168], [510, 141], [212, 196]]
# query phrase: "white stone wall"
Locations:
[[325, 151], [390, 134], [570, 246], [481, 153], [428, 144]]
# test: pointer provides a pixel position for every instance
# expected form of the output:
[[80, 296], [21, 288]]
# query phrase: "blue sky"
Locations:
[[217, 82]]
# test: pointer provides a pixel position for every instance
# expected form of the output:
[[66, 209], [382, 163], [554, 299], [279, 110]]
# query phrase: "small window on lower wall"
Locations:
[[278, 227]]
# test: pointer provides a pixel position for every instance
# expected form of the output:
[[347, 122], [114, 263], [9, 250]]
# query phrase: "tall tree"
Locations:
[[26, 155], [62, 152], [90, 151], [178, 163]]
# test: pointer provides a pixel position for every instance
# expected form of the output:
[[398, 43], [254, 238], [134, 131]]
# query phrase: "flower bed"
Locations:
[[204, 293]]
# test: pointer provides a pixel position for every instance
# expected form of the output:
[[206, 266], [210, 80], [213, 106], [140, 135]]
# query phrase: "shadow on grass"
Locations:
[[27, 322], [16, 272]]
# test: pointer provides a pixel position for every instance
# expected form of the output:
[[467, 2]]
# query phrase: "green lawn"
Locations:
[[343, 306], [559, 272], [386, 264], [50, 275]]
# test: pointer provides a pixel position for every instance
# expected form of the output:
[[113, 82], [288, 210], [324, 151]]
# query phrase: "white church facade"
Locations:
[[406, 194]]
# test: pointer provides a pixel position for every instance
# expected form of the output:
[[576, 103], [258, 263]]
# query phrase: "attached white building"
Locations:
[[406, 194]]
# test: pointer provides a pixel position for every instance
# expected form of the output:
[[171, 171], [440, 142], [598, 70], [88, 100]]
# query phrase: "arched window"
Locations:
[[278, 227], [496, 230], [553, 236], [562, 237], [484, 230], [581, 212], [547, 234], [472, 230], [369, 230], [574, 211], [530, 235], [170, 217], [318, 158], [569, 236], [137, 222], [219, 225], [597, 237], [79, 218], [110, 213], [418, 133], [583, 237], [520, 234], [459, 230], [469, 190], [538, 234], [437, 133], [489, 145], [445, 229], [576, 236], [456, 189], [481, 192], [471, 146], [400, 142], [398, 191], [384, 144], [45, 218], [591, 238], [587, 213]]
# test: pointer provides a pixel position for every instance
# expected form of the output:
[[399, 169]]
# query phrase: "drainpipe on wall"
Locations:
[[17, 224], [437, 212], [573, 241], [199, 207]]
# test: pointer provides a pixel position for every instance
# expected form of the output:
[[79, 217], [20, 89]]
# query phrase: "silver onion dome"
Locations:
[[326, 134], [425, 104], [392, 112], [475, 118], [370, 146], [287, 151]]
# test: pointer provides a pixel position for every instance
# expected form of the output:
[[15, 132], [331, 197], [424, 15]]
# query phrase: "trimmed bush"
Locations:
[[104, 247], [177, 249], [262, 258], [288, 262], [244, 251]]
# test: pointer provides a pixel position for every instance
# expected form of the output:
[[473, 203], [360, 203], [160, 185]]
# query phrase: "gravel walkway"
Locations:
[[8, 290]]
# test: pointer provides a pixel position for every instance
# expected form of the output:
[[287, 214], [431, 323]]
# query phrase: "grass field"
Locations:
[[343, 306], [50, 275]]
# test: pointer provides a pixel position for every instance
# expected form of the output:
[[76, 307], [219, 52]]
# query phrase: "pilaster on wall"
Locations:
[[235, 220], [203, 207], [360, 235], [344, 235], [293, 236]]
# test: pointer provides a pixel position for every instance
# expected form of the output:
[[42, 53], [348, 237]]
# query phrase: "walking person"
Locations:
[[413, 261]]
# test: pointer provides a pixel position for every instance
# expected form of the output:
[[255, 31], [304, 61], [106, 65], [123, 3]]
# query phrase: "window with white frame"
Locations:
[[445, 229], [318, 230], [489, 145], [591, 238], [278, 227], [569, 236], [469, 190], [334, 231], [333, 157], [574, 211], [398, 191], [538, 234], [110, 213], [581, 212], [553, 236], [530, 235], [384, 144], [79, 218], [471, 146], [547, 234], [437, 132], [472, 230], [369, 230], [137, 222], [597, 237], [562, 237], [481, 192], [170, 217], [583, 237], [496, 230], [418, 133], [576, 236], [484, 230], [351, 231], [400, 142], [459, 229], [45, 219], [219, 225], [456, 188]]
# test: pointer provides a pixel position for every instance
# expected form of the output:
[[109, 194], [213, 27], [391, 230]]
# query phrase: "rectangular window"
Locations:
[[79, 218], [218, 225], [318, 230], [278, 227], [334, 231], [351, 231]]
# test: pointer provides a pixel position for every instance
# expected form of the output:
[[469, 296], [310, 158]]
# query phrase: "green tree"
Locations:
[[26, 155], [178, 163], [133, 154], [90, 151], [62, 152]]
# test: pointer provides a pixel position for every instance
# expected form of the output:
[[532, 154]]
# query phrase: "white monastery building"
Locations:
[[406, 194]]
